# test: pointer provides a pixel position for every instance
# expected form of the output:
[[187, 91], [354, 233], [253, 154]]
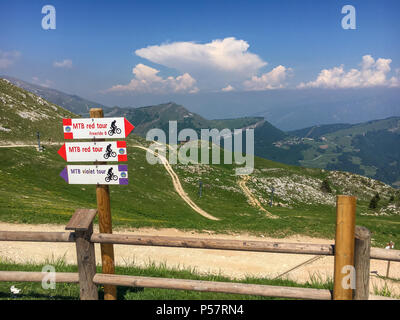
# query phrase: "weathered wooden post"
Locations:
[[105, 224], [362, 248], [344, 248], [82, 223], [388, 269]]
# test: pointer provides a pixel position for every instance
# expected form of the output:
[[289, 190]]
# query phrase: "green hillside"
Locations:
[[371, 149], [146, 118], [22, 114], [33, 192], [318, 131]]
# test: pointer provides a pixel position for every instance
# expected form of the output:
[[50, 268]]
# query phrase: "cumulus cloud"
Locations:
[[7, 58], [228, 88], [222, 63], [371, 73], [229, 55], [213, 64], [66, 63], [147, 80], [275, 79]]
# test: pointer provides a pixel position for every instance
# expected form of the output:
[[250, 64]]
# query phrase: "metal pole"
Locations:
[[38, 138], [272, 197], [200, 187]]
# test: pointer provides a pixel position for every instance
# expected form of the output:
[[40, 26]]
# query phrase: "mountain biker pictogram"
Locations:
[[114, 129], [109, 153], [111, 175]]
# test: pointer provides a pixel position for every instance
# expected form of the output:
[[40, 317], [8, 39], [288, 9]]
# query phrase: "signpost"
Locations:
[[100, 173], [94, 151]]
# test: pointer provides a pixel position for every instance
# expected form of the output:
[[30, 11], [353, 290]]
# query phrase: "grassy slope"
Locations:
[[22, 114], [33, 192]]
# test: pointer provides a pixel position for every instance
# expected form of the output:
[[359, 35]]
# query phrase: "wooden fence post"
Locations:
[[82, 223], [344, 248], [362, 248], [105, 224]]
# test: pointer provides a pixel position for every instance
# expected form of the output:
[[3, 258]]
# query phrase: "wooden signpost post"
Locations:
[[100, 173], [344, 247]]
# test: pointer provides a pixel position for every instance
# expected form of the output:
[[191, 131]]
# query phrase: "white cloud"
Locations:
[[371, 74], [229, 55], [228, 88], [7, 58], [275, 79], [213, 64], [147, 80], [66, 63]]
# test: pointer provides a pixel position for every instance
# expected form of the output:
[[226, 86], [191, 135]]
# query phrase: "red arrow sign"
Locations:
[[94, 151], [89, 128]]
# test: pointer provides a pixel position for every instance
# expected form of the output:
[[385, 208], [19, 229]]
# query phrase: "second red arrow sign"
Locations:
[[94, 151]]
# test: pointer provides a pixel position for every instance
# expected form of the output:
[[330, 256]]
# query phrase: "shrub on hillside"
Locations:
[[325, 187], [373, 204]]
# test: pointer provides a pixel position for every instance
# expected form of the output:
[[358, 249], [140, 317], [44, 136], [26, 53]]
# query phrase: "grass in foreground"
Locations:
[[64, 291]]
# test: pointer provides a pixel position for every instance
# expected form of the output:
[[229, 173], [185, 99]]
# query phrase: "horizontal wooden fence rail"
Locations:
[[22, 276], [213, 286], [181, 284], [199, 243], [34, 236], [220, 244], [385, 254]]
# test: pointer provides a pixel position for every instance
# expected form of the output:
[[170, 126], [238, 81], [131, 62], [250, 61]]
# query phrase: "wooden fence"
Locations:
[[81, 225]]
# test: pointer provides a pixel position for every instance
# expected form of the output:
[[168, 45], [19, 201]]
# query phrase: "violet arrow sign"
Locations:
[[95, 174]]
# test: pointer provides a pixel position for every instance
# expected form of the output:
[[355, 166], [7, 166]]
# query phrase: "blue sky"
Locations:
[[136, 53]]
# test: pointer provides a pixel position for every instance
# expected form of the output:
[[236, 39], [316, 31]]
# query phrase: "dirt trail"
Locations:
[[177, 185], [30, 145], [253, 201], [233, 264], [175, 179]]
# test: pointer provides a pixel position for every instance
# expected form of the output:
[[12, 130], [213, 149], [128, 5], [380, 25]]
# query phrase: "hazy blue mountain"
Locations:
[[292, 109], [70, 102]]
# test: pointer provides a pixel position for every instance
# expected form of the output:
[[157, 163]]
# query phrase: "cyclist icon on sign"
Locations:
[[109, 152], [114, 129], [111, 175]]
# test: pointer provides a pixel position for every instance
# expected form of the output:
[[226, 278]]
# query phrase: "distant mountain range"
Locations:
[[146, 118], [71, 102], [371, 148], [292, 109]]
